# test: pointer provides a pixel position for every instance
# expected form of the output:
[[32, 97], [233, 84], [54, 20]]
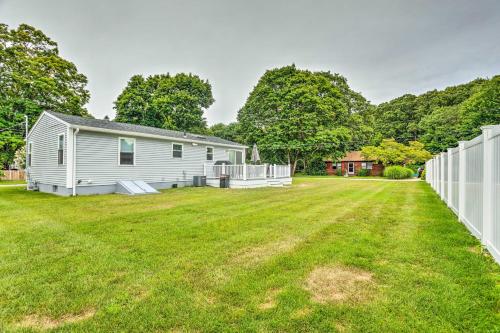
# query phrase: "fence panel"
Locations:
[[495, 199], [473, 210], [468, 179], [12, 175], [454, 179], [445, 177]]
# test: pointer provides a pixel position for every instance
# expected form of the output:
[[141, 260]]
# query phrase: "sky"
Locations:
[[384, 48]]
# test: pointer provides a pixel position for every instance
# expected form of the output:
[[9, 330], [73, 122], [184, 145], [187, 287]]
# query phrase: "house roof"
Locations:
[[112, 126], [352, 156]]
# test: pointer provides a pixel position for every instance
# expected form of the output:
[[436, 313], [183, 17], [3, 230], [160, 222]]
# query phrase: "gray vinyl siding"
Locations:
[[44, 138], [97, 160]]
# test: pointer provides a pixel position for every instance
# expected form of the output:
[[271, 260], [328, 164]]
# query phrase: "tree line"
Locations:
[[294, 115]]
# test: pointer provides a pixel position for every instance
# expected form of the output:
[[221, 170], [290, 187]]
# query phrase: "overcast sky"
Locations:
[[384, 48]]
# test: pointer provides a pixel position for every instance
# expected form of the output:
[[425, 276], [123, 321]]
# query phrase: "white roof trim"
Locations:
[[45, 113], [145, 135]]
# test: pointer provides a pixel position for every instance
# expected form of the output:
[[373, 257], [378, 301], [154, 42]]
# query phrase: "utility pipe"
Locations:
[[74, 160]]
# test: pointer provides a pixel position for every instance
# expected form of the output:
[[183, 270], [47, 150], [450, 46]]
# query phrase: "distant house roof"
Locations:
[[353, 156], [112, 126]]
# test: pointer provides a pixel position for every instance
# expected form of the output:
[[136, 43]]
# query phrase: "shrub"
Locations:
[[316, 167], [339, 172], [398, 172], [364, 172], [423, 175]]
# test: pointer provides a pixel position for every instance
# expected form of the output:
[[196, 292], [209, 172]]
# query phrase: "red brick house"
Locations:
[[352, 163]]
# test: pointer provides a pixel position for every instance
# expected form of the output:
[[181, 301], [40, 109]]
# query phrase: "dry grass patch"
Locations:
[[339, 284], [45, 323], [301, 313], [251, 256], [270, 301]]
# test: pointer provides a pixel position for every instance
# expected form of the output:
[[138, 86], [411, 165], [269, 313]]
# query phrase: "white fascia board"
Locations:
[[153, 136], [45, 113]]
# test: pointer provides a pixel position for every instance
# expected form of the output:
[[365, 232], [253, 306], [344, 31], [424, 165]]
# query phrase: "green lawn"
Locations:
[[11, 182], [323, 255]]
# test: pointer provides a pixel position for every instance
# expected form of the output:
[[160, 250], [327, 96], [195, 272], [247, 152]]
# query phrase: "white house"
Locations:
[[70, 155]]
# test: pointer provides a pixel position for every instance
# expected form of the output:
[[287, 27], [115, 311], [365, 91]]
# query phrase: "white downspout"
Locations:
[[74, 161]]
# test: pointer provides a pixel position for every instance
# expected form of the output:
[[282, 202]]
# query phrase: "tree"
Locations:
[[441, 128], [445, 126], [33, 78], [294, 115], [165, 101], [435, 118], [482, 108], [390, 152], [231, 131]]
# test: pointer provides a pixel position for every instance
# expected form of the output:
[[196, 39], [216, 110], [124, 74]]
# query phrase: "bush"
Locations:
[[398, 172], [364, 172], [339, 172], [316, 167], [423, 175]]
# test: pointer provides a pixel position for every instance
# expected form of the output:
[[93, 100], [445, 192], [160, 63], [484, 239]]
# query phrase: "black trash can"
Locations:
[[224, 181], [199, 181]]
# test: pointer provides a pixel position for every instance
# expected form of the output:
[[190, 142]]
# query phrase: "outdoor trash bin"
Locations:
[[224, 181]]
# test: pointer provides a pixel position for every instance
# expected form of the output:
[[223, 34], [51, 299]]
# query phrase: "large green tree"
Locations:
[[294, 115], [391, 152], [440, 119], [172, 102], [33, 78], [444, 126], [231, 131]]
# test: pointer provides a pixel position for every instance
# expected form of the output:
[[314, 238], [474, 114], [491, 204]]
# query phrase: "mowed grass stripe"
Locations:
[[208, 259]]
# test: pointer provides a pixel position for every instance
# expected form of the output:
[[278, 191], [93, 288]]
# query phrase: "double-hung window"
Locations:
[[210, 154], [176, 150], [367, 165], [127, 151], [60, 149]]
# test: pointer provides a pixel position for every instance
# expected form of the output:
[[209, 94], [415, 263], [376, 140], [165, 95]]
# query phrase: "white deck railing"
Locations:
[[468, 179], [247, 171], [278, 171]]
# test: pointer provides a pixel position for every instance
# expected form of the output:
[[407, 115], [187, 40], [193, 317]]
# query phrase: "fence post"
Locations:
[[461, 180], [442, 176], [274, 170], [487, 184], [450, 168], [244, 171]]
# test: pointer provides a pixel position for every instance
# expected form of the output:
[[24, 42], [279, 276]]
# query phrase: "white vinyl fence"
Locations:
[[467, 178]]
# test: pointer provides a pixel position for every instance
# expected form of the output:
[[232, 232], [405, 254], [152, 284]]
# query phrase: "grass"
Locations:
[[323, 255], [11, 182]]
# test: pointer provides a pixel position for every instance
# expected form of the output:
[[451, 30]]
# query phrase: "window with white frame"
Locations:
[[210, 154], [30, 152], [367, 165], [60, 149], [127, 151], [177, 150]]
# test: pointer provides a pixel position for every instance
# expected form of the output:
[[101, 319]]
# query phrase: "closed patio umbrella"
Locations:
[[255, 154]]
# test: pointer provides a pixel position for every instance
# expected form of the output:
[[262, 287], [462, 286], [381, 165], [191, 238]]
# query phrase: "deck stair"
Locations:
[[134, 187], [274, 183]]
